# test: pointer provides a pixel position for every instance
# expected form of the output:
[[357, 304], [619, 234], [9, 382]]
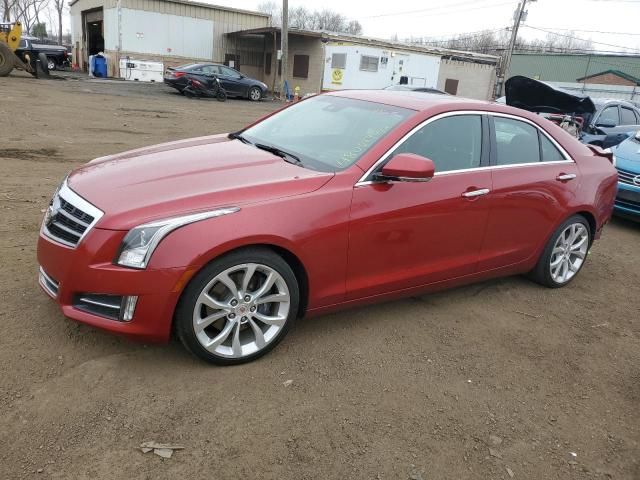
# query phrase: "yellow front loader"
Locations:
[[29, 61]]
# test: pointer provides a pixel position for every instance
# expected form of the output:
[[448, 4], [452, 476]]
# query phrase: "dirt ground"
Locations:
[[499, 380]]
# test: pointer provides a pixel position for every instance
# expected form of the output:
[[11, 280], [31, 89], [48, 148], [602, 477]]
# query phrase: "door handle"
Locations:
[[565, 177], [476, 193]]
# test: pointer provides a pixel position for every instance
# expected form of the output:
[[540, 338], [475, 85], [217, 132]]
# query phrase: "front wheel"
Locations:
[[565, 253], [255, 94], [238, 307]]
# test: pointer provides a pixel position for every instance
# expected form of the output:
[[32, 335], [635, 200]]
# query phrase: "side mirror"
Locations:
[[407, 167]]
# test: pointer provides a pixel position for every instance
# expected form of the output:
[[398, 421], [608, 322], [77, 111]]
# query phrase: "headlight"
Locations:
[[138, 245], [637, 135]]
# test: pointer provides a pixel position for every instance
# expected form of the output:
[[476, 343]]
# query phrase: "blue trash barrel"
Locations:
[[100, 66]]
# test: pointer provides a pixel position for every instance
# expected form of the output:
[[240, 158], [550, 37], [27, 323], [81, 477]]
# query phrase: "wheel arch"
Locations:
[[279, 247]]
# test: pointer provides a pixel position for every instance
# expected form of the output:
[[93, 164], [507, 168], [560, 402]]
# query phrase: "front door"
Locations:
[[405, 234]]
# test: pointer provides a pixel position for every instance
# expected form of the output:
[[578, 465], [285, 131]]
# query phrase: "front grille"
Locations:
[[50, 285], [628, 198], [114, 307], [627, 177], [69, 217]]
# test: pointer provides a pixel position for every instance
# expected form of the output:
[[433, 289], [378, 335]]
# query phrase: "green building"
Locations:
[[553, 67]]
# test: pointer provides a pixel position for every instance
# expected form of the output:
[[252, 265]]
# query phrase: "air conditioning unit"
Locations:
[[141, 70]]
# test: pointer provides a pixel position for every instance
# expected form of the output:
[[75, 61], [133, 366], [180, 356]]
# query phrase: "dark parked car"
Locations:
[[595, 121], [412, 88], [236, 84], [56, 54]]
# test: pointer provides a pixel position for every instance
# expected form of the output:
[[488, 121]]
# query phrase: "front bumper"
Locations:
[[88, 269], [627, 200]]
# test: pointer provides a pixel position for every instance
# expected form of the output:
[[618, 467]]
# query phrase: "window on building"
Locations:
[[627, 117], [301, 66], [267, 64], [339, 60], [368, 63], [451, 86]]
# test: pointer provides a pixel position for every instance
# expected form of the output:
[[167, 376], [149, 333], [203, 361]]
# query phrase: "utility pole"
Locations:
[[518, 18], [284, 47]]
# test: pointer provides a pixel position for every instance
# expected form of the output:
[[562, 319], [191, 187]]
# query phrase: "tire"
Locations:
[[223, 305], [565, 253], [42, 66], [254, 94], [7, 58], [221, 95]]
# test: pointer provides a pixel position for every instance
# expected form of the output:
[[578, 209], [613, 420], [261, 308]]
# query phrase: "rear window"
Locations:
[[627, 116]]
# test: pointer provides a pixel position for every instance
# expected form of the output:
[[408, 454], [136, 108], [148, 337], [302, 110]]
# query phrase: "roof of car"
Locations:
[[606, 101], [417, 100]]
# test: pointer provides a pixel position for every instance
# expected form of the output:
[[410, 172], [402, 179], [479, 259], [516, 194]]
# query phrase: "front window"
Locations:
[[326, 132], [452, 143]]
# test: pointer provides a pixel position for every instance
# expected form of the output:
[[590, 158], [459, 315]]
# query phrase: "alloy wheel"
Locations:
[[569, 252], [51, 65], [254, 94], [241, 310]]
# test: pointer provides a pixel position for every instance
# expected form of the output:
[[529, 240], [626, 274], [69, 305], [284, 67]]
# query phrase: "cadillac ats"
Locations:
[[338, 200]]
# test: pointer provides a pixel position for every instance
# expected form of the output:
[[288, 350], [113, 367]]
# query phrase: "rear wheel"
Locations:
[[565, 253], [238, 307], [6, 59], [255, 94], [51, 64]]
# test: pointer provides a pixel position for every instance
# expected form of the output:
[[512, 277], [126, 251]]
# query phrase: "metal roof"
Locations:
[[204, 5], [618, 73], [371, 41], [553, 67]]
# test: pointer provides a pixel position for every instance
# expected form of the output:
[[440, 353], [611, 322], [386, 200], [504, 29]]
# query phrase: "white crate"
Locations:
[[141, 70]]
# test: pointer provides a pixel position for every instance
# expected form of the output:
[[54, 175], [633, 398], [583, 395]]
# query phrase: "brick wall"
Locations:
[[609, 79]]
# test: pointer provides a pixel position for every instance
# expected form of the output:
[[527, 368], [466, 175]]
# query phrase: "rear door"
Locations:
[[533, 181], [231, 81]]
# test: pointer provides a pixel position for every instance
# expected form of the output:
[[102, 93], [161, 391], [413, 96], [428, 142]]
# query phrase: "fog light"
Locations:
[[128, 307]]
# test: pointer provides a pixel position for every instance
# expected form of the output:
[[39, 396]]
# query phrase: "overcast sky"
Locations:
[[447, 17]]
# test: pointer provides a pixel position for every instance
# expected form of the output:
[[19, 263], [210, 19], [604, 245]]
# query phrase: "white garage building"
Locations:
[[169, 31]]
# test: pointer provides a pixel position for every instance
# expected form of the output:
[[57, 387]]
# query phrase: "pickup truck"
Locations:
[[56, 54]]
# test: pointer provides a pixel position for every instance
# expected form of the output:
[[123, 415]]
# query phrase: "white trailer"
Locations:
[[357, 66]]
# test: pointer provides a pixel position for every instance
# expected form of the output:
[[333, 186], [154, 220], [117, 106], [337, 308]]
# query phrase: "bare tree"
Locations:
[[303, 18], [59, 5], [28, 12]]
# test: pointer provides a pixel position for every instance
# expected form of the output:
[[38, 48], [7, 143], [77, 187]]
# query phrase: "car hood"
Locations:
[[628, 155], [187, 176], [535, 96]]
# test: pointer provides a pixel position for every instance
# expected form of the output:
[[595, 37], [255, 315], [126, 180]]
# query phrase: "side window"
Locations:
[[210, 70], [229, 72], [627, 116], [453, 143], [516, 142], [609, 116], [549, 151]]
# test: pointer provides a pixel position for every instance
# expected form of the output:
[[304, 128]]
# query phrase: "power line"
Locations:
[[590, 31], [581, 39]]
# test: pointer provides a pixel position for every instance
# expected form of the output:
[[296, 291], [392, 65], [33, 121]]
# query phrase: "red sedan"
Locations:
[[338, 200]]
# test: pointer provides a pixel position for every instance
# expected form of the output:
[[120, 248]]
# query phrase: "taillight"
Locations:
[[178, 74]]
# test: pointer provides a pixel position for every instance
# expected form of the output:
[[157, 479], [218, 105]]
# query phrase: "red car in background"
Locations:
[[341, 199]]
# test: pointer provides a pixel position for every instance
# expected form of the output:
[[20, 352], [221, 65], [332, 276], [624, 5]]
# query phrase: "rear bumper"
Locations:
[[88, 269], [627, 200]]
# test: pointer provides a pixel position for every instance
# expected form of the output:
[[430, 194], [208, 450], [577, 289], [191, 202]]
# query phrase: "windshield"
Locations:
[[325, 132]]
